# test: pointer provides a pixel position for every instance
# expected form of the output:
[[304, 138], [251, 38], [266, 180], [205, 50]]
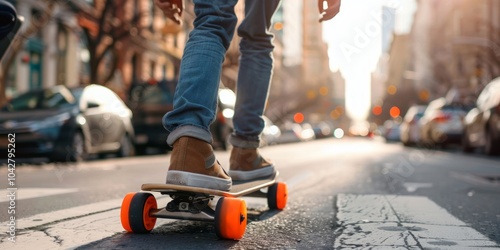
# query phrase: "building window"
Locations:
[[62, 47], [134, 62], [137, 7], [84, 60], [10, 81], [152, 69], [152, 14]]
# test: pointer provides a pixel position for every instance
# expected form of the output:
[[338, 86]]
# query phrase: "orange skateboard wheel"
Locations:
[[230, 218], [139, 216], [124, 211], [277, 196]]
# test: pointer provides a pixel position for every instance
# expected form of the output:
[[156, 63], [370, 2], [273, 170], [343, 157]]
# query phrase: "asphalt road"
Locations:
[[349, 193]]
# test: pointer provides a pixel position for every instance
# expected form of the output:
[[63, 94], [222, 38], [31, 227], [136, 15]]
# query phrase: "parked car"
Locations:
[[391, 131], [322, 130], [149, 102], [442, 123], [307, 133], [270, 134], [67, 124], [290, 133], [222, 127], [482, 124], [410, 127]]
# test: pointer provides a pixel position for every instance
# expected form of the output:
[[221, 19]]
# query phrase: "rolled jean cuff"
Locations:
[[191, 131], [242, 143]]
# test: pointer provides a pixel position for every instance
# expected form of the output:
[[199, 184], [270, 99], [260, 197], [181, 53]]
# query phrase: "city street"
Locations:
[[348, 193], [382, 118]]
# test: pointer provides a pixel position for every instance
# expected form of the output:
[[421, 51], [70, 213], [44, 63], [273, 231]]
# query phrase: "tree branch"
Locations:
[[111, 73]]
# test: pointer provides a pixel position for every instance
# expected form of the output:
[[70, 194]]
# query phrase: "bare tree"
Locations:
[[110, 28]]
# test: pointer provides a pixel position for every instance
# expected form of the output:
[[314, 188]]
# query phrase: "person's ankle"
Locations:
[[247, 164], [193, 163]]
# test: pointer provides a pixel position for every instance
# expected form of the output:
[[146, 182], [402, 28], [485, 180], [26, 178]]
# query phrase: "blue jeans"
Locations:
[[195, 98]]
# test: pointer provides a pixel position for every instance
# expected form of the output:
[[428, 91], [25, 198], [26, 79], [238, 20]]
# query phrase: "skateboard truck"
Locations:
[[188, 202], [205, 214]]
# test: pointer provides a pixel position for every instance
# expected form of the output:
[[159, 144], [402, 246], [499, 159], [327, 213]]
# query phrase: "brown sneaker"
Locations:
[[247, 164], [193, 164]]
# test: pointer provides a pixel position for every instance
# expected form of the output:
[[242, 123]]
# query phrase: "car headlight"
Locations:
[[228, 113]]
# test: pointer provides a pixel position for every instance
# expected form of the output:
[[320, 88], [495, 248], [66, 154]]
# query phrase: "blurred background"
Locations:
[[357, 75]]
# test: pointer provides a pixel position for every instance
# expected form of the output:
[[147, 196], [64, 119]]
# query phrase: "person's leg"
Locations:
[[195, 98], [192, 160], [256, 65]]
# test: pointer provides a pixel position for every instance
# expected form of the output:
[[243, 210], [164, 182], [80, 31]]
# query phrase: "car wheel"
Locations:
[[102, 155], [466, 147], [406, 142], [223, 145], [140, 150], [126, 147], [428, 143], [491, 147], [77, 151], [228, 145]]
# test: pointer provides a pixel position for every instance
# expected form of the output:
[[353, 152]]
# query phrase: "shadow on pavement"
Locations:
[[181, 234], [177, 235]]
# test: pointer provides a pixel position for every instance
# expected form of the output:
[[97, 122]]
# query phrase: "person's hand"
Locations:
[[172, 9], [329, 12]]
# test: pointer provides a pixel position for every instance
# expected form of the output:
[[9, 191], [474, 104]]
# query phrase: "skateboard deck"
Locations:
[[140, 210], [239, 188]]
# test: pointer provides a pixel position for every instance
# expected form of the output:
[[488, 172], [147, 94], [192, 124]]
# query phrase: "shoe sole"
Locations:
[[197, 180], [239, 175]]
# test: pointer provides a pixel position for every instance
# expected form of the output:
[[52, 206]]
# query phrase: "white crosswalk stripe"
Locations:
[[388, 221], [29, 193], [68, 228]]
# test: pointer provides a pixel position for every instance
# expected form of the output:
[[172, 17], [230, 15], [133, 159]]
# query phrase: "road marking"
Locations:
[[383, 221], [414, 186], [473, 179], [401, 222], [298, 178], [71, 233], [69, 228], [69, 213], [29, 193]]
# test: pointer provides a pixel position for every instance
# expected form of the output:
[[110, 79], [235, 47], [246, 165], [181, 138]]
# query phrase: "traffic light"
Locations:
[[395, 112], [377, 110], [298, 117], [392, 89]]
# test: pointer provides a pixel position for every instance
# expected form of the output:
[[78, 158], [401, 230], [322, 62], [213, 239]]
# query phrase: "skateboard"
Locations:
[[139, 210]]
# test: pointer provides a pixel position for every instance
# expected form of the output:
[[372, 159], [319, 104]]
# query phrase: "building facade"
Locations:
[[57, 53], [50, 55], [456, 46], [304, 82], [150, 48]]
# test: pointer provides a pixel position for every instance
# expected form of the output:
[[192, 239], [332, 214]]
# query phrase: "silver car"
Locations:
[[270, 134], [442, 123], [482, 124], [410, 127]]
